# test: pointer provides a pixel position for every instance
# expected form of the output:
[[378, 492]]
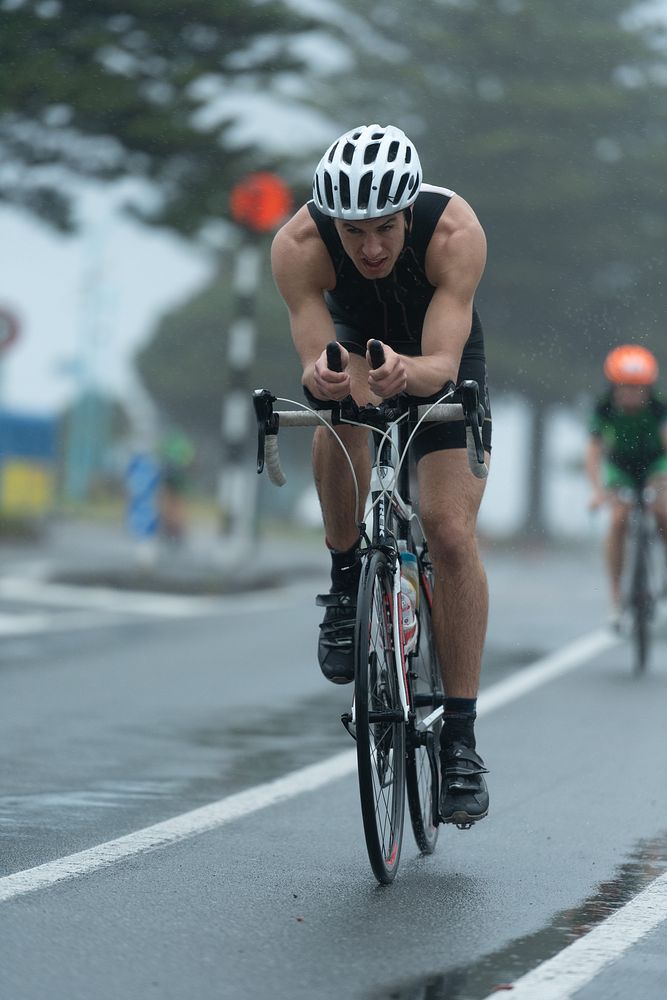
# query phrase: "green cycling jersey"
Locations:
[[632, 439]]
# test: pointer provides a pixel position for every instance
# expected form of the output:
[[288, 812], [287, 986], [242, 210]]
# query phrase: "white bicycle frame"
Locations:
[[384, 494]]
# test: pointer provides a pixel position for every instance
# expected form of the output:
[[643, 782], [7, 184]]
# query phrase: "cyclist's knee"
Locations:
[[452, 542]]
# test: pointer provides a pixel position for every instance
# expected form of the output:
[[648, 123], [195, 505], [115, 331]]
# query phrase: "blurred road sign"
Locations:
[[9, 328], [261, 202]]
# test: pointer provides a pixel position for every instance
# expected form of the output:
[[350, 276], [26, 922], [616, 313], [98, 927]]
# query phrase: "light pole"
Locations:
[[258, 204]]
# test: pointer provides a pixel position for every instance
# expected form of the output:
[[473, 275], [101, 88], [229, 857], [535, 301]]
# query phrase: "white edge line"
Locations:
[[560, 977], [139, 602], [551, 666], [180, 827], [306, 779]]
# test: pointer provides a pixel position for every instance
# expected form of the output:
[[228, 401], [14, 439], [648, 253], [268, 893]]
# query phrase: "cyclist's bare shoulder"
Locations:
[[458, 244], [299, 258]]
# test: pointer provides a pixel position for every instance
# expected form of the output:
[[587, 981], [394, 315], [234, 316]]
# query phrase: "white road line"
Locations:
[[562, 976], [546, 669], [104, 598], [35, 624], [307, 779], [180, 827], [142, 603]]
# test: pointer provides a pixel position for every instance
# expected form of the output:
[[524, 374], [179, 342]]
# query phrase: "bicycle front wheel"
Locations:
[[380, 728], [422, 777]]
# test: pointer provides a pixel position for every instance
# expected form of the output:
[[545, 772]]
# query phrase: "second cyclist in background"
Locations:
[[627, 449]]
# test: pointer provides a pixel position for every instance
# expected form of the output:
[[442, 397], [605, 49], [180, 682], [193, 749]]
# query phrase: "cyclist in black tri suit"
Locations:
[[377, 254]]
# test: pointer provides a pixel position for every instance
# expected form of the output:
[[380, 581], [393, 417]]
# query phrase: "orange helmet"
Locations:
[[631, 364]]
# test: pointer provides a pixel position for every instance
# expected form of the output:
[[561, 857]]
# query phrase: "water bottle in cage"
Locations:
[[409, 598]]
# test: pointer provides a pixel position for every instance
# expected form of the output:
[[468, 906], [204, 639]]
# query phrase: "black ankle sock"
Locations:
[[459, 722], [345, 568]]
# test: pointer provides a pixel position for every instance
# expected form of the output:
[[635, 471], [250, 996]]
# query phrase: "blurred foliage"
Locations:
[[125, 88], [551, 120], [184, 365]]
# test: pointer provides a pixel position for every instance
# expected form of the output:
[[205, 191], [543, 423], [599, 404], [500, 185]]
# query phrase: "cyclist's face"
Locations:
[[631, 397], [373, 245]]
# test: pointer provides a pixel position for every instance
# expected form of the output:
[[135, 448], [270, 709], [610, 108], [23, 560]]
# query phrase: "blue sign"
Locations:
[[142, 481]]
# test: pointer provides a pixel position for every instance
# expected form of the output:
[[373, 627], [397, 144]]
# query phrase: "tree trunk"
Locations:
[[535, 526]]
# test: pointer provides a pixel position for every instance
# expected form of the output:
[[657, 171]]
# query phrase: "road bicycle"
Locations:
[[643, 581], [397, 707]]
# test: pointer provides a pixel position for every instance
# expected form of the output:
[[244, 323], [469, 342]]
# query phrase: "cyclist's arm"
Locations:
[[302, 271], [454, 263]]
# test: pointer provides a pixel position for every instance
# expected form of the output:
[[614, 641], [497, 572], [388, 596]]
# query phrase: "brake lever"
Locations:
[[267, 421], [474, 414]]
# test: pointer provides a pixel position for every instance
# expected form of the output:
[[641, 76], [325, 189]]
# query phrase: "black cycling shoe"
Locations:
[[464, 798], [334, 650]]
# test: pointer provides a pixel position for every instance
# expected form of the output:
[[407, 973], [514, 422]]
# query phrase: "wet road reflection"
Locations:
[[499, 969]]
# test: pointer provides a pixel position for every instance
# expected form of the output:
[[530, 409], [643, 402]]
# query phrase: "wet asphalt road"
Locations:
[[110, 728]]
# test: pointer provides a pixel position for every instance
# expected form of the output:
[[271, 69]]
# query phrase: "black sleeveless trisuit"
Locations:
[[392, 309]]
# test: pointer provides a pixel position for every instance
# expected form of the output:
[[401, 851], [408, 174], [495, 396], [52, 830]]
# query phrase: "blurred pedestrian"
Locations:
[[177, 455]]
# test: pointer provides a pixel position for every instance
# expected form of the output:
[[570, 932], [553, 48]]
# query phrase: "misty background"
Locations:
[[124, 128]]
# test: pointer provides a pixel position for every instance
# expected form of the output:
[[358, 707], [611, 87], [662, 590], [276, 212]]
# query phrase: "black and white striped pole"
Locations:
[[259, 204]]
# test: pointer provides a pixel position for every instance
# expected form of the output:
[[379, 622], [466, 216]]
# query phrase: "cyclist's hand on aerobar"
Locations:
[[329, 384], [391, 377]]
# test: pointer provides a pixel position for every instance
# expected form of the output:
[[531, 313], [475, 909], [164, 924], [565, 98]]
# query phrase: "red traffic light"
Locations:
[[261, 202]]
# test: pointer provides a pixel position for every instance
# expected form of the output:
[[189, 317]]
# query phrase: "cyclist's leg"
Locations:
[[333, 478], [335, 488], [615, 481], [449, 501]]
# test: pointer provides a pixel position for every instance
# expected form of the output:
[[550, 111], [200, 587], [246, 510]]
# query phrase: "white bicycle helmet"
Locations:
[[369, 172]]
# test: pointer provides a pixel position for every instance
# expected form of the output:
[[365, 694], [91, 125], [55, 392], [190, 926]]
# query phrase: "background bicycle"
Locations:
[[644, 574]]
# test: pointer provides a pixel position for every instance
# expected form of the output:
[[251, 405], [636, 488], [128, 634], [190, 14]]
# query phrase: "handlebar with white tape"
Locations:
[[433, 413]]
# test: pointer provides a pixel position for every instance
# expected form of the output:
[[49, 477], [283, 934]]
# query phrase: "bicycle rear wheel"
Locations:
[[380, 729], [421, 765]]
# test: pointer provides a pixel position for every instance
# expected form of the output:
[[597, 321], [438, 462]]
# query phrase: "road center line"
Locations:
[[560, 977], [307, 779]]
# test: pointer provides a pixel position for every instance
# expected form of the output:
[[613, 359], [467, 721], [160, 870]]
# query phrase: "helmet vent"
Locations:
[[348, 153], [365, 189], [332, 152], [371, 152], [328, 191], [344, 182], [393, 152], [401, 188], [408, 155], [377, 135], [385, 188]]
